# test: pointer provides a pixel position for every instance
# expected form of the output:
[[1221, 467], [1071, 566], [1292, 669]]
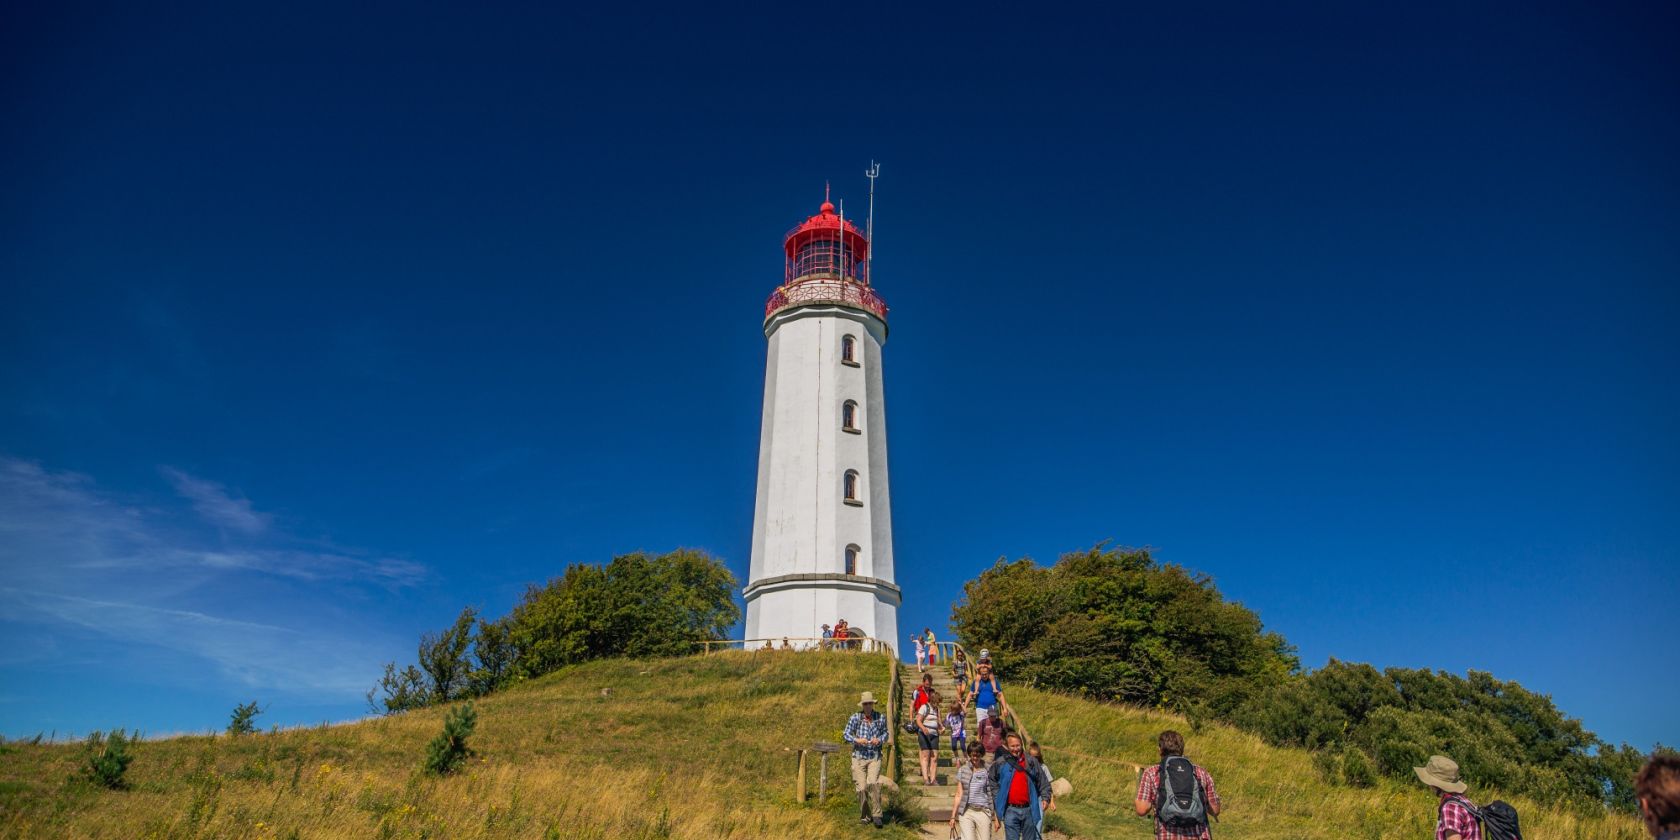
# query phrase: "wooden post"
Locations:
[[823, 748], [799, 787]]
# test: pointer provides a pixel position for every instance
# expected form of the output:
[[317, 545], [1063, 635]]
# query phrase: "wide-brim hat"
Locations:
[[868, 697], [1441, 772]]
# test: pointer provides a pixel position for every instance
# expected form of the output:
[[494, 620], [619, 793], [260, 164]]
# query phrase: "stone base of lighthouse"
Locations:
[[797, 606]]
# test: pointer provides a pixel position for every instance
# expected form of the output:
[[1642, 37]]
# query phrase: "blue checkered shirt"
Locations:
[[858, 729]]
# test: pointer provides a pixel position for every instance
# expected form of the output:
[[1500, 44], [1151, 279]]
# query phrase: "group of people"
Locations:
[[840, 636], [1004, 788]]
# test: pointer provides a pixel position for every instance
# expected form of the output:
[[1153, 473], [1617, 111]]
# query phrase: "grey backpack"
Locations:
[[1180, 801]]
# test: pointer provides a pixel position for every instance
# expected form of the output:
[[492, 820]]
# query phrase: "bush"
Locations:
[[1357, 770], [1117, 625], [108, 758], [638, 605], [449, 749], [244, 719], [1114, 624]]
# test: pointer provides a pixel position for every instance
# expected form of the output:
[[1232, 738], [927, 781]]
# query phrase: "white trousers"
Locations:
[[975, 824]]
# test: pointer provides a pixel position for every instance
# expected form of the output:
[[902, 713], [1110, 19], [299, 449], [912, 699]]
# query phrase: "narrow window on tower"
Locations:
[[852, 552], [848, 351], [849, 416], [850, 487]]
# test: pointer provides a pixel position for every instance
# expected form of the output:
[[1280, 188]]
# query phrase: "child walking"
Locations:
[[959, 736]]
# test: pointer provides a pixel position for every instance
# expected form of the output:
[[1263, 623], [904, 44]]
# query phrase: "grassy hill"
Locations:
[[1268, 793], [686, 748]]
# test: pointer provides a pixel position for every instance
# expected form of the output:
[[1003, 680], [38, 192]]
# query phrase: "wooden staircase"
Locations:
[[933, 801]]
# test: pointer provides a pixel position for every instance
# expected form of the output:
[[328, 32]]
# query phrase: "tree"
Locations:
[[244, 718], [1116, 625], [493, 656], [443, 656], [399, 691], [107, 758], [446, 752]]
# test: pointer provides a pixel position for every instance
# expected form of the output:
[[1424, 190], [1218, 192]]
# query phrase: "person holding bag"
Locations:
[[971, 809]]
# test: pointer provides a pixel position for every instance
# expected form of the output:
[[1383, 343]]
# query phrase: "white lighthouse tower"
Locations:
[[822, 545]]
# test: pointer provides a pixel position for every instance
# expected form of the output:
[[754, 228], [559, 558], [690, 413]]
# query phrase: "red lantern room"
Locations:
[[827, 263]]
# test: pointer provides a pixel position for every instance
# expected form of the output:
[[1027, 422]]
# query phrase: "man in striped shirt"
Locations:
[[866, 731]]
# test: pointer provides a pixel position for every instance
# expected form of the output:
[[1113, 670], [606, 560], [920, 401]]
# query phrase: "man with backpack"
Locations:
[[1456, 817], [1178, 794]]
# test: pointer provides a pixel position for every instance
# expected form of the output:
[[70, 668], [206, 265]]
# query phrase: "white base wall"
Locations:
[[801, 612]]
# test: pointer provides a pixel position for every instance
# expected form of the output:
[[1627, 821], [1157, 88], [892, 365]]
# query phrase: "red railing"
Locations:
[[826, 290]]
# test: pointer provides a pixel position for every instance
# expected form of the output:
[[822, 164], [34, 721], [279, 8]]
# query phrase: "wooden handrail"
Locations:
[[859, 644]]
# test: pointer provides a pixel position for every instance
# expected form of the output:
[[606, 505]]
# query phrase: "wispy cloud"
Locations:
[[215, 503], [76, 556], [253, 653]]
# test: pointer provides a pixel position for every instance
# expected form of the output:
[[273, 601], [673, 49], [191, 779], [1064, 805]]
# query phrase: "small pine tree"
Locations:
[[244, 719], [449, 749], [108, 759]]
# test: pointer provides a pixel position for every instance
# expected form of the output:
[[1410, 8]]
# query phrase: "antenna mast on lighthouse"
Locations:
[[872, 172]]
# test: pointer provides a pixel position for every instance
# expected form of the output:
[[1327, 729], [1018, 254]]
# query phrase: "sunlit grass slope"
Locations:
[[1268, 793], [686, 748]]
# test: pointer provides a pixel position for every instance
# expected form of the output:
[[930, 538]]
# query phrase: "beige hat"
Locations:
[[868, 697], [1441, 772]]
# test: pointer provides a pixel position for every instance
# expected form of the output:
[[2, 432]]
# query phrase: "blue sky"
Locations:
[[316, 327]]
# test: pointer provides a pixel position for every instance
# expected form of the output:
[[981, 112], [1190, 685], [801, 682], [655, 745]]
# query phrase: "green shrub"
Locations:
[[244, 719], [108, 758], [449, 749], [1357, 770]]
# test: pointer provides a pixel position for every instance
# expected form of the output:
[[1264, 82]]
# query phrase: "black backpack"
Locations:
[[1180, 801], [1498, 818]]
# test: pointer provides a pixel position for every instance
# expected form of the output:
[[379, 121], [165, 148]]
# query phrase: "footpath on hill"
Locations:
[[933, 802]]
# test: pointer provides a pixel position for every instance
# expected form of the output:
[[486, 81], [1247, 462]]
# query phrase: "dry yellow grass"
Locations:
[[690, 748]]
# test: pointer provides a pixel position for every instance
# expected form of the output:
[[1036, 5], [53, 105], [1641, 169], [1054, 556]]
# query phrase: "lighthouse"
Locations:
[[822, 546]]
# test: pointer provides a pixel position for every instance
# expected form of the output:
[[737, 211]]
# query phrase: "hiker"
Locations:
[[971, 810], [985, 691], [840, 630], [959, 666], [1456, 816], [954, 720], [785, 645], [866, 731], [768, 645], [932, 646], [927, 738], [1178, 794], [921, 652], [1657, 788], [990, 733], [1045, 785], [922, 693], [1018, 801], [827, 637]]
